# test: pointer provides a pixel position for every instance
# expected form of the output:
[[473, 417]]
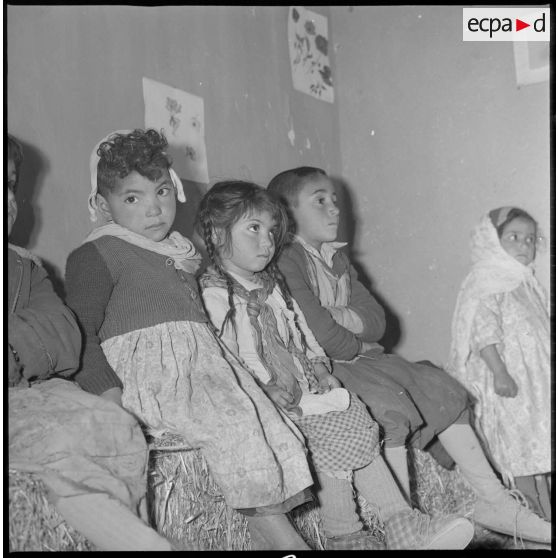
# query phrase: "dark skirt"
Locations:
[[412, 402]]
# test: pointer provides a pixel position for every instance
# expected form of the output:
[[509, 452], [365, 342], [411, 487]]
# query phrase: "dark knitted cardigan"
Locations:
[[337, 341], [115, 287]]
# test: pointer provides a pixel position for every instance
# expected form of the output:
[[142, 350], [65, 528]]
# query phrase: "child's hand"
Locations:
[[326, 381], [504, 385], [368, 347], [281, 398]]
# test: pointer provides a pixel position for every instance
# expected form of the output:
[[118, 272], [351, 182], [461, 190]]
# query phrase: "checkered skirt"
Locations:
[[341, 440]]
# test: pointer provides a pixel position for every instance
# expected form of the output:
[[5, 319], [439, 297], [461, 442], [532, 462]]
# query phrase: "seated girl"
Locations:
[[246, 297]]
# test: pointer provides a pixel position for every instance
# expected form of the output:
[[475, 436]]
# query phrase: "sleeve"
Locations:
[[89, 287], [238, 339], [347, 318], [487, 324], [44, 334], [368, 309], [338, 342]]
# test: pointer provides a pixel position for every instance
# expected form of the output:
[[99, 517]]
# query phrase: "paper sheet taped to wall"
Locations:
[[309, 53], [180, 115]]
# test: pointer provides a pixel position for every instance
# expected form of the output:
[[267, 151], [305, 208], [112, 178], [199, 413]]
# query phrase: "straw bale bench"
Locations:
[[34, 523]]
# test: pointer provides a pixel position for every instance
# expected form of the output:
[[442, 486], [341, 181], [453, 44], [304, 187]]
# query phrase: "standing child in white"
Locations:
[[501, 350]]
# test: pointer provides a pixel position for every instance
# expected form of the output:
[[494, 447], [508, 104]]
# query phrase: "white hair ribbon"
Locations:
[[93, 163]]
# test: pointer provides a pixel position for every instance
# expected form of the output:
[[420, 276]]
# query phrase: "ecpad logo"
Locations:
[[506, 24]]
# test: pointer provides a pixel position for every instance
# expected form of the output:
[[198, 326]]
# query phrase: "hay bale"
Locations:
[[439, 491], [442, 491], [34, 523], [187, 506]]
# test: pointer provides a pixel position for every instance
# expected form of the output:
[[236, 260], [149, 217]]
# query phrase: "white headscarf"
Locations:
[[494, 271], [94, 162]]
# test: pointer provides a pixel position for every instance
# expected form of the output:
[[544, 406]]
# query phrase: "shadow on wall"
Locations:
[[28, 225], [348, 229]]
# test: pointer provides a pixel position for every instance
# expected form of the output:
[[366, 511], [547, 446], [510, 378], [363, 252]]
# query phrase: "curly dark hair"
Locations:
[[221, 207], [142, 151]]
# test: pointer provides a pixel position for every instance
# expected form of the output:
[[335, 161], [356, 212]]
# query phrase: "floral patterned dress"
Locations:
[[501, 303]]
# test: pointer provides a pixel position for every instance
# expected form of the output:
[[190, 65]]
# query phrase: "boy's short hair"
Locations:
[[142, 151], [288, 184]]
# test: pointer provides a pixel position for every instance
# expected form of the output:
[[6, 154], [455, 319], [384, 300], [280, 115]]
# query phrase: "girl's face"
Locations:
[[141, 205], [11, 204], [518, 240], [252, 244], [316, 214]]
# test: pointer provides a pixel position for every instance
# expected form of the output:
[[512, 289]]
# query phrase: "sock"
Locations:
[[337, 506], [396, 458], [463, 445], [274, 532], [378, 487], [109, 524]]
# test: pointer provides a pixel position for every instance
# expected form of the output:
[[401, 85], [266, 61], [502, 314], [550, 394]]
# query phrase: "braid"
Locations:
[[207, 234], [231, 312], [206, 229], [279, 279]]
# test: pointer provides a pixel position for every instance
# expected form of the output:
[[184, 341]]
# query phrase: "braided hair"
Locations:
[[221, 207]]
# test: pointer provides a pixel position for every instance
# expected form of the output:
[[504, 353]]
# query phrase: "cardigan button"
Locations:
[[169, 261]]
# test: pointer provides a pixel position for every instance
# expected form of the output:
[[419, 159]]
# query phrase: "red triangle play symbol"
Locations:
[[519, 25]]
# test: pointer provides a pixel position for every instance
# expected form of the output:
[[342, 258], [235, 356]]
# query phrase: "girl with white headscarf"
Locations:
[[501, 350]]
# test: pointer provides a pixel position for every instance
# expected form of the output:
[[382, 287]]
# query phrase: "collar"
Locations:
[[327, 251], [175, 246]]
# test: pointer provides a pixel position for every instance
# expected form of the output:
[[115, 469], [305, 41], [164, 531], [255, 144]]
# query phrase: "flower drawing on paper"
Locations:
[[174, 108], [310, 51], [190, 152]]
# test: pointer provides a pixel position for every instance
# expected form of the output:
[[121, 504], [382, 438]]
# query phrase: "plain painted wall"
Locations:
[[74, 74], [434, 133], [427, 132]]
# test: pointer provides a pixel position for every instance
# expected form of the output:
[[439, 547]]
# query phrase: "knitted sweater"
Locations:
[[41, 329], [115, 287], [337, 341]]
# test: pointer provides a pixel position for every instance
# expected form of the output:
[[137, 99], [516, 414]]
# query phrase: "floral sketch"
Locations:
[[180, 115], [308, 49]]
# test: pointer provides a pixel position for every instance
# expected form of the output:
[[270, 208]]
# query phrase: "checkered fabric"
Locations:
[[413, 530], [341, 440], [361, 540]]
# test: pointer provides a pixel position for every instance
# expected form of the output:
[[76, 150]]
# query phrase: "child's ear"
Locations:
[[104, 207]]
